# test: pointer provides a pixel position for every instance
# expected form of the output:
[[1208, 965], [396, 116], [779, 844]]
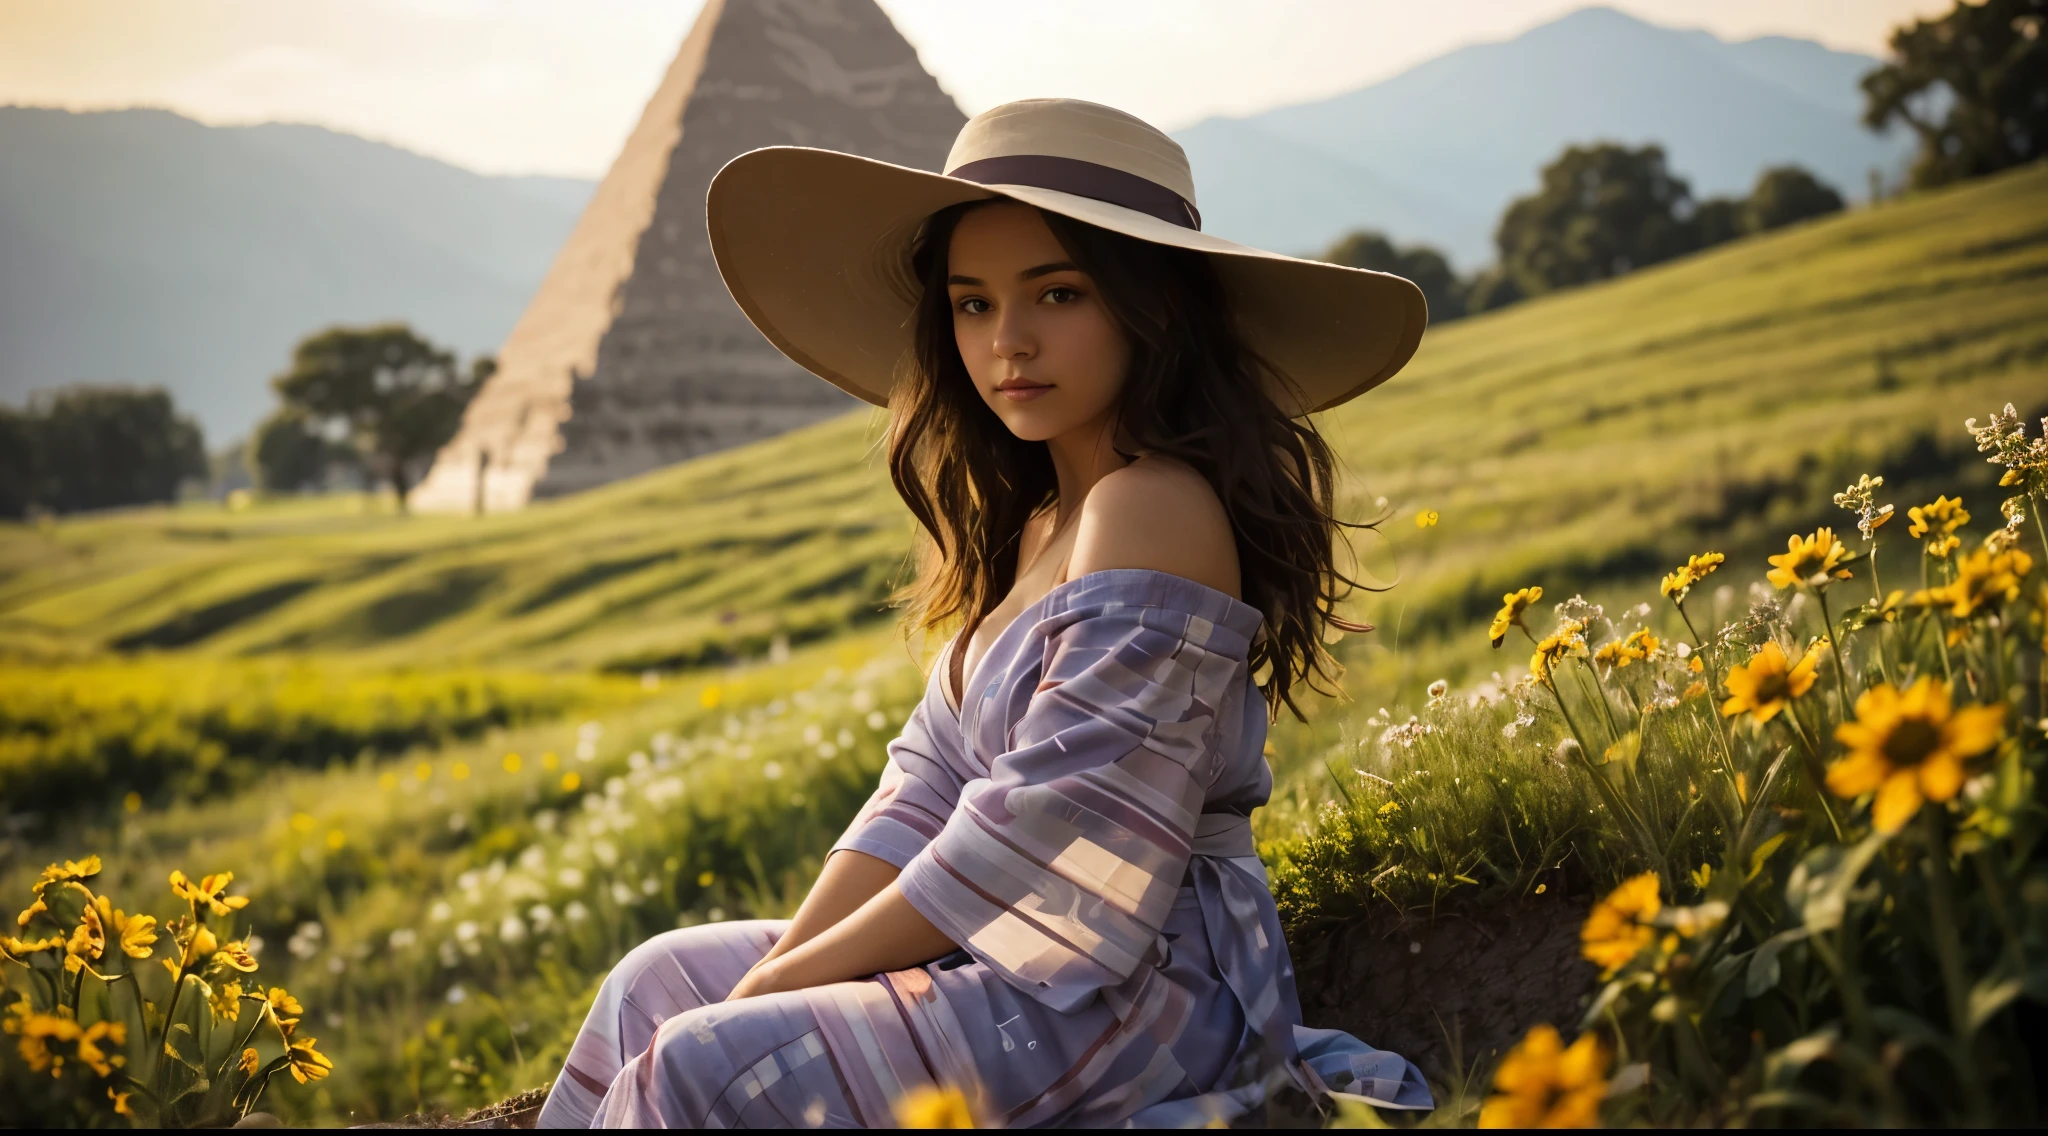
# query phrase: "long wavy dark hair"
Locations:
[[1196, 392]]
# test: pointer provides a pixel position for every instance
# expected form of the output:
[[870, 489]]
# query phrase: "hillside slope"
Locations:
[[1466, 132], [139, 246], [1589, 436]]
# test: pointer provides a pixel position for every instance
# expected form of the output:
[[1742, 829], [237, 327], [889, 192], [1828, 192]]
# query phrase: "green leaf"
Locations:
[[1818, 888], [1990, 995], [1764, 970], [1762, 855]]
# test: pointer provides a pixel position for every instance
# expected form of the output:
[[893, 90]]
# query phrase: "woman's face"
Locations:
[[1032, 329]]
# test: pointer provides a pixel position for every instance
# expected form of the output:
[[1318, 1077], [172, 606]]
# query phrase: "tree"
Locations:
[[1424, 265], [388, 394], [1718, 220], [1987, 65], [93, 447], [1492, 288], [1785, 195], [17, 463], [287, 455], [1602, 211]]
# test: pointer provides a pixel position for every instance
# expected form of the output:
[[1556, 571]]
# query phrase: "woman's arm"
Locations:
[[886, 933], [848, 880]]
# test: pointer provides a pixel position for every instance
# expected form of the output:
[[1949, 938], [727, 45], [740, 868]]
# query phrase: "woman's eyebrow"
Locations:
[[1047, 269], [971, 281]]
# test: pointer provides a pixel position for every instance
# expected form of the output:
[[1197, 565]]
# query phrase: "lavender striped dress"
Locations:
[[1079, 828]]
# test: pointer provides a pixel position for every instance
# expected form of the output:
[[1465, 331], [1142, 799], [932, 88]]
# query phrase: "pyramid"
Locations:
[[632, 355]]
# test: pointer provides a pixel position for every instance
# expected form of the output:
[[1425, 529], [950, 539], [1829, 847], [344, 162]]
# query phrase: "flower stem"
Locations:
[[1834, 645], [1948, 946], [1816, 773]]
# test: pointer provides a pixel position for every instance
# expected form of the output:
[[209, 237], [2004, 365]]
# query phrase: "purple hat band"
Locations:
[[1084, 179]]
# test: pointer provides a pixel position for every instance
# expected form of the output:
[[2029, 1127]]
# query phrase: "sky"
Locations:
[[553, 86]]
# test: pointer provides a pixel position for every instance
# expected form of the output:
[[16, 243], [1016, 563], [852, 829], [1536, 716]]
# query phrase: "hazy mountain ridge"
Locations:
[[1463, 134], [140, 246]]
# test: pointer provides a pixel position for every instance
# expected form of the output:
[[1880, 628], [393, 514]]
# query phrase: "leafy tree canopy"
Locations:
[[390, 396], [96, 447], [1602, 211], [1424, 265], [1786, 195], [1986, 65]]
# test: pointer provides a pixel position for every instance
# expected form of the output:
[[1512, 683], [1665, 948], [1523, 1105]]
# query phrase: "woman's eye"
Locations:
[[1061, 294], [974, 305]]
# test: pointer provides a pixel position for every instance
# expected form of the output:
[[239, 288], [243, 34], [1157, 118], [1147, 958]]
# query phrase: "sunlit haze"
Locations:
[[541, 86]]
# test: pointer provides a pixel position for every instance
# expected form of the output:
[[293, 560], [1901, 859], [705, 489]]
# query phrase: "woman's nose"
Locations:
[[1013, 339]]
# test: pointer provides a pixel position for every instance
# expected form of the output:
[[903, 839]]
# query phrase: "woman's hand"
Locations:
[[885, 934], [758, 981]]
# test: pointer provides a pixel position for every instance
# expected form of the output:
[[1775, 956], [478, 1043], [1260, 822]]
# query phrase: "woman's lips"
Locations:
[[1021, 390]]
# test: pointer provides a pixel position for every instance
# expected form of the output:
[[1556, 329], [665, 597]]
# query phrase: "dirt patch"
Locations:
[[1456, 990], [514, 1112]]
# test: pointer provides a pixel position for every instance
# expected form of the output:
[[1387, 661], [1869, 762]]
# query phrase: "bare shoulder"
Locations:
[[1157, 514]]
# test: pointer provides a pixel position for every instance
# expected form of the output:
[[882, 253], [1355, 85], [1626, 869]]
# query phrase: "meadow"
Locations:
[[461, 764]]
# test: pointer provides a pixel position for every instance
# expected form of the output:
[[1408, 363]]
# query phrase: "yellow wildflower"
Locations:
[[283, 1004], [571, 781], [37, 1031], [249, 1063], [1426, 519], [1567, 641], [120, 1102], [1983, 578], [235, 954], [208, 892], [1619, 926], [14, 949], [1543, 1084], [1389, 809], [134, 934], [512, 763], [307, 1064], [1938, 522], [225, 1001], [198, 943], [95, 1058], [1637, 647], [934, 1107], [1909, 748], [87, 943], [68, 871], [1809, 560], [1680, 581], [1693, 690], [1512, 607], [1769, 682]]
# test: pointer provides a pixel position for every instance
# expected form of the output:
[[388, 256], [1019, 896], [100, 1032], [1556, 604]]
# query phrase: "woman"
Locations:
[[1052, 901]]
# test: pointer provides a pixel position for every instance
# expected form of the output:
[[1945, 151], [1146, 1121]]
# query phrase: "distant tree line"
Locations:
[[366, 405], [96, 447], [1603, 211], [1973, 84]]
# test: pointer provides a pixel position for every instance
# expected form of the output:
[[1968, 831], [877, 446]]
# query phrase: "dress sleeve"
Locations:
[[1059, 868], [919, 788]]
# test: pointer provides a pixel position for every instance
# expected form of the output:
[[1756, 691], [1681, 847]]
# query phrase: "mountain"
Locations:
[[1435, 153], [138, 246]]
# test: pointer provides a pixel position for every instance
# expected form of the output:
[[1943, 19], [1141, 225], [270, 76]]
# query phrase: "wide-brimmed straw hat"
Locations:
[[815, 245]]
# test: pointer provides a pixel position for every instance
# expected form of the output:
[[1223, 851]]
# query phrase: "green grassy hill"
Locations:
[[1582, 437], [445, 861]]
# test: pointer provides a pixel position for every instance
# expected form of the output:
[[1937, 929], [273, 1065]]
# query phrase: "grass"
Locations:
[[1584, 442]]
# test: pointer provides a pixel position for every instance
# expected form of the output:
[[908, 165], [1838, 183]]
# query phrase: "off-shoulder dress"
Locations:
[[1080, 826]]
